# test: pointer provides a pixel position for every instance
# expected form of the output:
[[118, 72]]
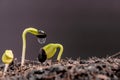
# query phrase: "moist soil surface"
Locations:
[[67, 69]]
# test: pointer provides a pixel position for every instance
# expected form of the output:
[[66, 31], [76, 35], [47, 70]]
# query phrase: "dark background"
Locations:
[[86, 28]]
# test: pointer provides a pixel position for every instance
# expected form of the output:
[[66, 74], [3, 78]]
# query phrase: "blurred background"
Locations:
[[86, 28]]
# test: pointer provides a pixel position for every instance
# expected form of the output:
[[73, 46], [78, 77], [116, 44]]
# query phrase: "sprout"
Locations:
[[37, 33], [49, 51], [7, 58]]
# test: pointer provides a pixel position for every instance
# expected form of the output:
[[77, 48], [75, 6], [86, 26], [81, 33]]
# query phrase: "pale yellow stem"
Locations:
[[30, 30], [5, 69], [60, 52]]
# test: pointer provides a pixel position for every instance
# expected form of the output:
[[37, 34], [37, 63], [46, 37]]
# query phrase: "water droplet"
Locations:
[[41, 40]]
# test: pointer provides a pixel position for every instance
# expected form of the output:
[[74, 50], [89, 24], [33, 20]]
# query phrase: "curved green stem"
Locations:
[[51, 49], [60, 52], [32, 31]]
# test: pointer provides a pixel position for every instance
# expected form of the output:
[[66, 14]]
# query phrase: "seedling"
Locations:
[[7, 58], [49, 51], [39, 33]]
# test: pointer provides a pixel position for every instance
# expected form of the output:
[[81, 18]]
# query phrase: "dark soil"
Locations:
[[67, 69]]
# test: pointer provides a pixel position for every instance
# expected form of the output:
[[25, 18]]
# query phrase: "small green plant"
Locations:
[[39, 33], [49, 51], [7, 58]]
